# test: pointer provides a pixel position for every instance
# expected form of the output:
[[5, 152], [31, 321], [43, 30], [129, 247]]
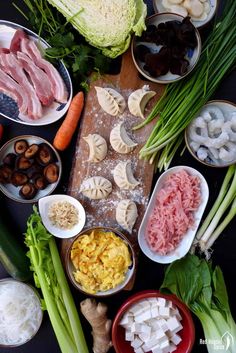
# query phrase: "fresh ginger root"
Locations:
[[96, 314]]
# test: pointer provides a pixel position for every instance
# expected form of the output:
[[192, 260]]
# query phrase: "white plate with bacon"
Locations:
[[32, 90]]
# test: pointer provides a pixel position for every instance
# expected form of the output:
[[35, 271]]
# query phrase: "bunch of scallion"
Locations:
[[50, 277], [182, 100], [222, 212], [202, 288]]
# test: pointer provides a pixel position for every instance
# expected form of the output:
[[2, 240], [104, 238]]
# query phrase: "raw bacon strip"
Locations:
[[38, 78], [16, 40], [4, 50], [12, 66], [174, 211], [9, 87], [58, 87]]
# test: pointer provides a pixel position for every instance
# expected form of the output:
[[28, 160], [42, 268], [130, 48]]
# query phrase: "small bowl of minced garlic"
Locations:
[[62, 215]]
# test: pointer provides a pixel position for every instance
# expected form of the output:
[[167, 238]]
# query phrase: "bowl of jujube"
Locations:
[[30, 168]]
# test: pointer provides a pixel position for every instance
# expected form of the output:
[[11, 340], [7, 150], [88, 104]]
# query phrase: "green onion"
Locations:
[[214, 225], [183, 99], [50, 277]]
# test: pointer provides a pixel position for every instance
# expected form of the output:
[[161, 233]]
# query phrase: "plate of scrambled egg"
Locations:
[[100, 261]]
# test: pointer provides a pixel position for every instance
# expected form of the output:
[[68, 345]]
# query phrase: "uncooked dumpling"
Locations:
[[124, 177], [138, 100], [97, 147], [111, 101], [96, 188], [126, 214], [120, 141]]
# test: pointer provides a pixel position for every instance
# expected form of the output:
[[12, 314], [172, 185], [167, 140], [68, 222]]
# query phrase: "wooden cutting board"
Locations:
[[95, 120]]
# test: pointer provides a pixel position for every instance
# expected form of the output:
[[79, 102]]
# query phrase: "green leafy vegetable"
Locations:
[[203, 290], [182, 100], [66, 43], [50, 277], [105, 25], [216, 221]]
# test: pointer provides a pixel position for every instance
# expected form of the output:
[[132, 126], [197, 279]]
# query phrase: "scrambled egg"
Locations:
[[101, 260]]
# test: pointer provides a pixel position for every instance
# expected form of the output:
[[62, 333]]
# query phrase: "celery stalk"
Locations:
[[50, 277]]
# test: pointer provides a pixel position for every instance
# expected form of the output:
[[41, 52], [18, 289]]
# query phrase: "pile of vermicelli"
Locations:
[[63, 215], [174, 210]]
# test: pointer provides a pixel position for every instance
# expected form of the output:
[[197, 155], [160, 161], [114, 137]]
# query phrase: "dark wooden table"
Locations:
[[149, 274]]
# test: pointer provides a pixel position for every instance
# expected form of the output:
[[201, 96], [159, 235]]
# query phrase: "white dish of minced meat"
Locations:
[[173, 214]]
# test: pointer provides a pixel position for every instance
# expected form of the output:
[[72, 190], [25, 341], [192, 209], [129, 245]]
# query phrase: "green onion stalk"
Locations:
[[182, 100]]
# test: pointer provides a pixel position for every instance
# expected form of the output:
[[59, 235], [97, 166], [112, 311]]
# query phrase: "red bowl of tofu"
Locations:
[[150, 321]]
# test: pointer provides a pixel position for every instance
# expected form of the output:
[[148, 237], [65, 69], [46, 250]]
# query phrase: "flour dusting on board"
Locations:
[[102, 212]]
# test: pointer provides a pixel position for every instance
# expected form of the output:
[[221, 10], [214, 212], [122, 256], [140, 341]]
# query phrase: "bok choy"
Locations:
[[202, 288], [50, 277]]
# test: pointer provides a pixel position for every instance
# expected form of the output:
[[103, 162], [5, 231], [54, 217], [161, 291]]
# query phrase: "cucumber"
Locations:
[[12, 255]]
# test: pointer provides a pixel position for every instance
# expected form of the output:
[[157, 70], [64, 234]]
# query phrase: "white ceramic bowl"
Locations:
[[227, 109], [12, 191], [186, 242], [44, 205], [8, 107], [158, 7], [192, 56]]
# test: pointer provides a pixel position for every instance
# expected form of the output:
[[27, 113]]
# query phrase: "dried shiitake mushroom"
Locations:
[[28, 191], [51, 172], [31, 151], [45, 154], [18, 178], [21, 146]]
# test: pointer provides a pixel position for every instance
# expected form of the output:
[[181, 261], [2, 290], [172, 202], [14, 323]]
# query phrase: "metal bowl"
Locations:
[[70, 267], [226, 107], [12, 191], [192, 56]]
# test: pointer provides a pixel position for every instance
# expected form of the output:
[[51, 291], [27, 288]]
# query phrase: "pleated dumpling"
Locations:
[[138, 100], [96, 188], [123, 176], [111, 101], [120, 140], [97, 147], [126, 214]]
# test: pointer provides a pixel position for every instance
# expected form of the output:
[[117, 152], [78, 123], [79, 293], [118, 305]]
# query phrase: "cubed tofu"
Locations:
[[136, 343], [161, 302], [156, 349], [144, 336], [139, 350], [173, 324], [172, 348], [145, 348], [136, 328], [176, 339], [145, 328], [154, 311], [165, 344], [163, 324], [126, 320], [175, 312], [129, 336], [136, 309], [153, 301], [156, 338], [164, 312], [145, 315]]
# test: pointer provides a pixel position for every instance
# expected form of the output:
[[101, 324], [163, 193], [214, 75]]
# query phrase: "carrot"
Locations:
[[1, 131], [65, 132]]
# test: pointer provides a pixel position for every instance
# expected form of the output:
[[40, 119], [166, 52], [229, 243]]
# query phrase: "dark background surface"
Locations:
[[149, 274]]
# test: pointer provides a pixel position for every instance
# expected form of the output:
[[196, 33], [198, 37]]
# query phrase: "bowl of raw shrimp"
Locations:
[[211, 135]]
